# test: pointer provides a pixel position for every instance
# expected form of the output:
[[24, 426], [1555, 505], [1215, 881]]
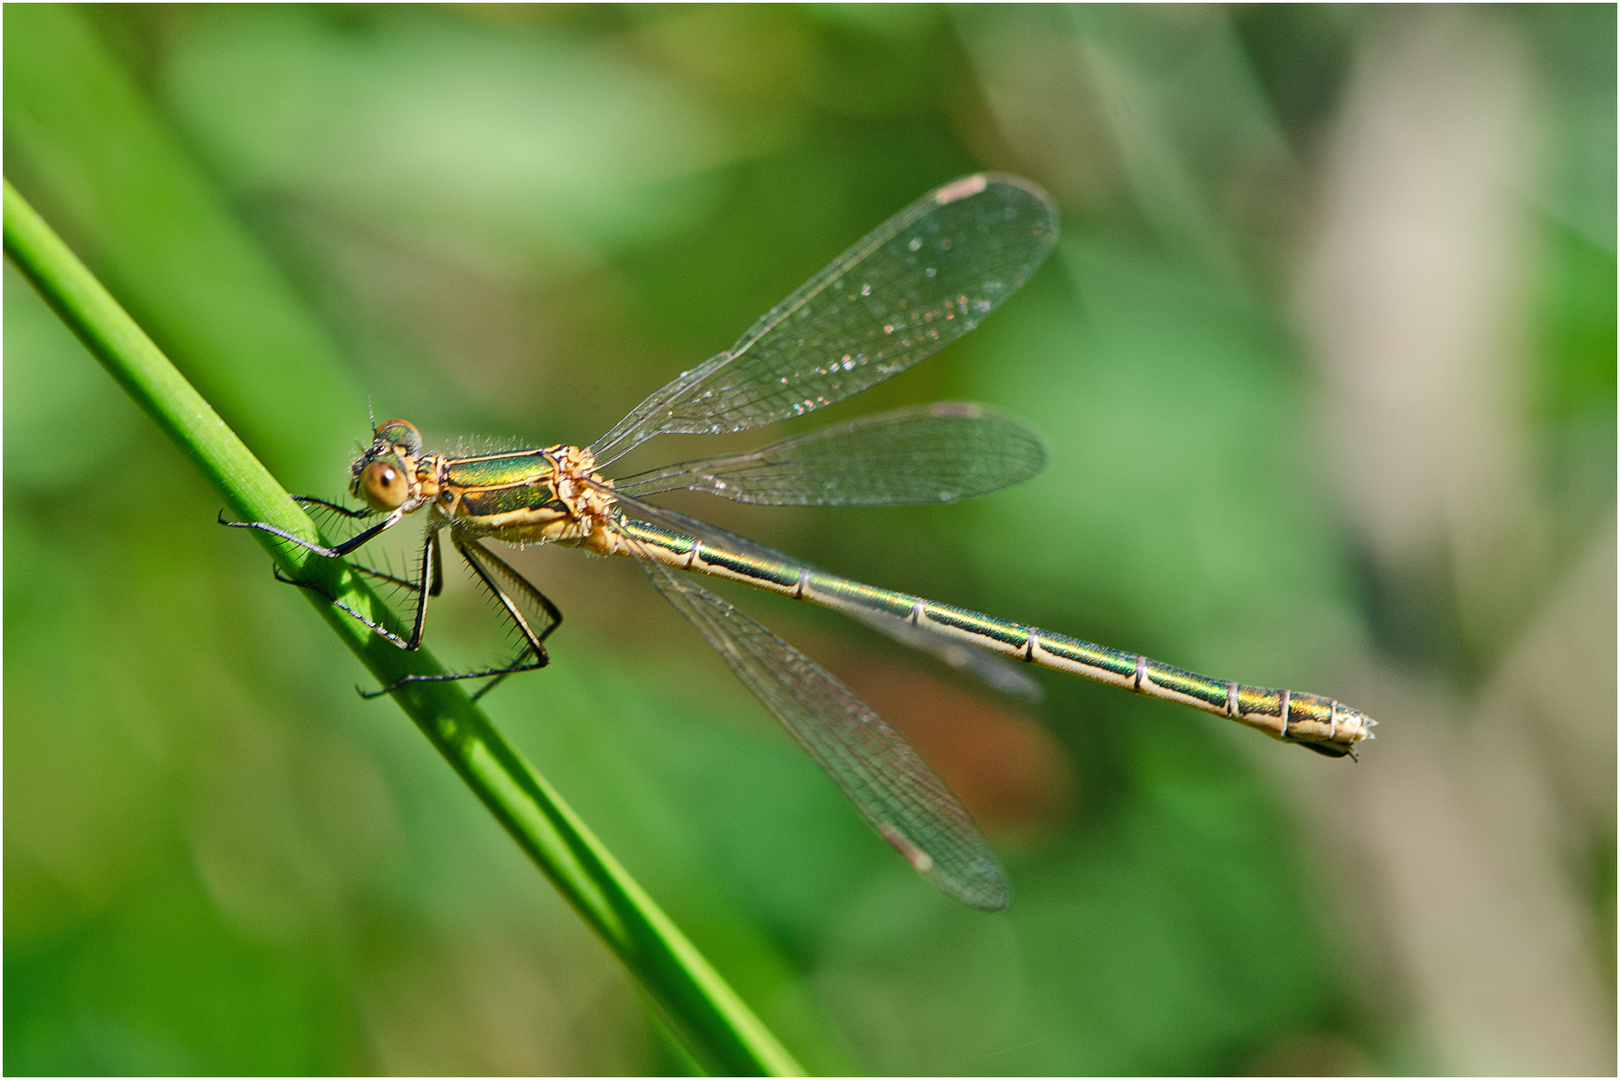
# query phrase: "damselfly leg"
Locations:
[[344, 549], [530, 612]]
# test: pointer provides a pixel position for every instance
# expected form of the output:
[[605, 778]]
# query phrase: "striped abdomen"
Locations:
[[1318, 723]]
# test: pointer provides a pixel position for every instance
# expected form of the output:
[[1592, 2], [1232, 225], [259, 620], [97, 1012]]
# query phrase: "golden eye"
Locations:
[[383, 485]]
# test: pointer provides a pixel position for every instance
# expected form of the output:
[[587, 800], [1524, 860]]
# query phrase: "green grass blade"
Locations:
[[711, 1020]]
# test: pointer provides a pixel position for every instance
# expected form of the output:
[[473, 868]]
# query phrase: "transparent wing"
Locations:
[[893, 788], [926, 454], [915, 284], [994, 671]]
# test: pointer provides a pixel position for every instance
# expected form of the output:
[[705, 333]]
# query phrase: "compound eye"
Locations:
[[399, 433], [383, 485]]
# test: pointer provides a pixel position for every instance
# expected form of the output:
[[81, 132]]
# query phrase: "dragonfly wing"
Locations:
[[892, 787], [935, 453], [912, 286], [995, 671]]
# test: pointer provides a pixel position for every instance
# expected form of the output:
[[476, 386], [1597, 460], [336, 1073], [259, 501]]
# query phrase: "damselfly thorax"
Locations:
[[908, 289], [542, 496]]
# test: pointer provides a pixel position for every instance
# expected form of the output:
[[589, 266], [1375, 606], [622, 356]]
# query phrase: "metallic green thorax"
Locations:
[[504, 483], [499, 470]]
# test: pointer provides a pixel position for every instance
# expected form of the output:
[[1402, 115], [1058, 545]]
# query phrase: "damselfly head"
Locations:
[[383, 473]]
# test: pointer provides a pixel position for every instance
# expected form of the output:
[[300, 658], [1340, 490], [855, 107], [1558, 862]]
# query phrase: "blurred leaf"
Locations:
[[53, 388], [161, 986], [1169, 409], [1578, 67], [167, 243], [539, 147], [1578, 325]]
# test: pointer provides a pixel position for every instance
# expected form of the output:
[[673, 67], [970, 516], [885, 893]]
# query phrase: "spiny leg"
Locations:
[[473, 552], [380, 575], [369, 571], [336, 508], [435, 584], [429, 582], [501, 581], [347, 547], [337, 551]]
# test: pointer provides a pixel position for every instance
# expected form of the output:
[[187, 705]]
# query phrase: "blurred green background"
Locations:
[[1326, 360]]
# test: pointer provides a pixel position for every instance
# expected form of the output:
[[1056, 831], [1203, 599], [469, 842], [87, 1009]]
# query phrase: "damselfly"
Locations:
[[917, 283]]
